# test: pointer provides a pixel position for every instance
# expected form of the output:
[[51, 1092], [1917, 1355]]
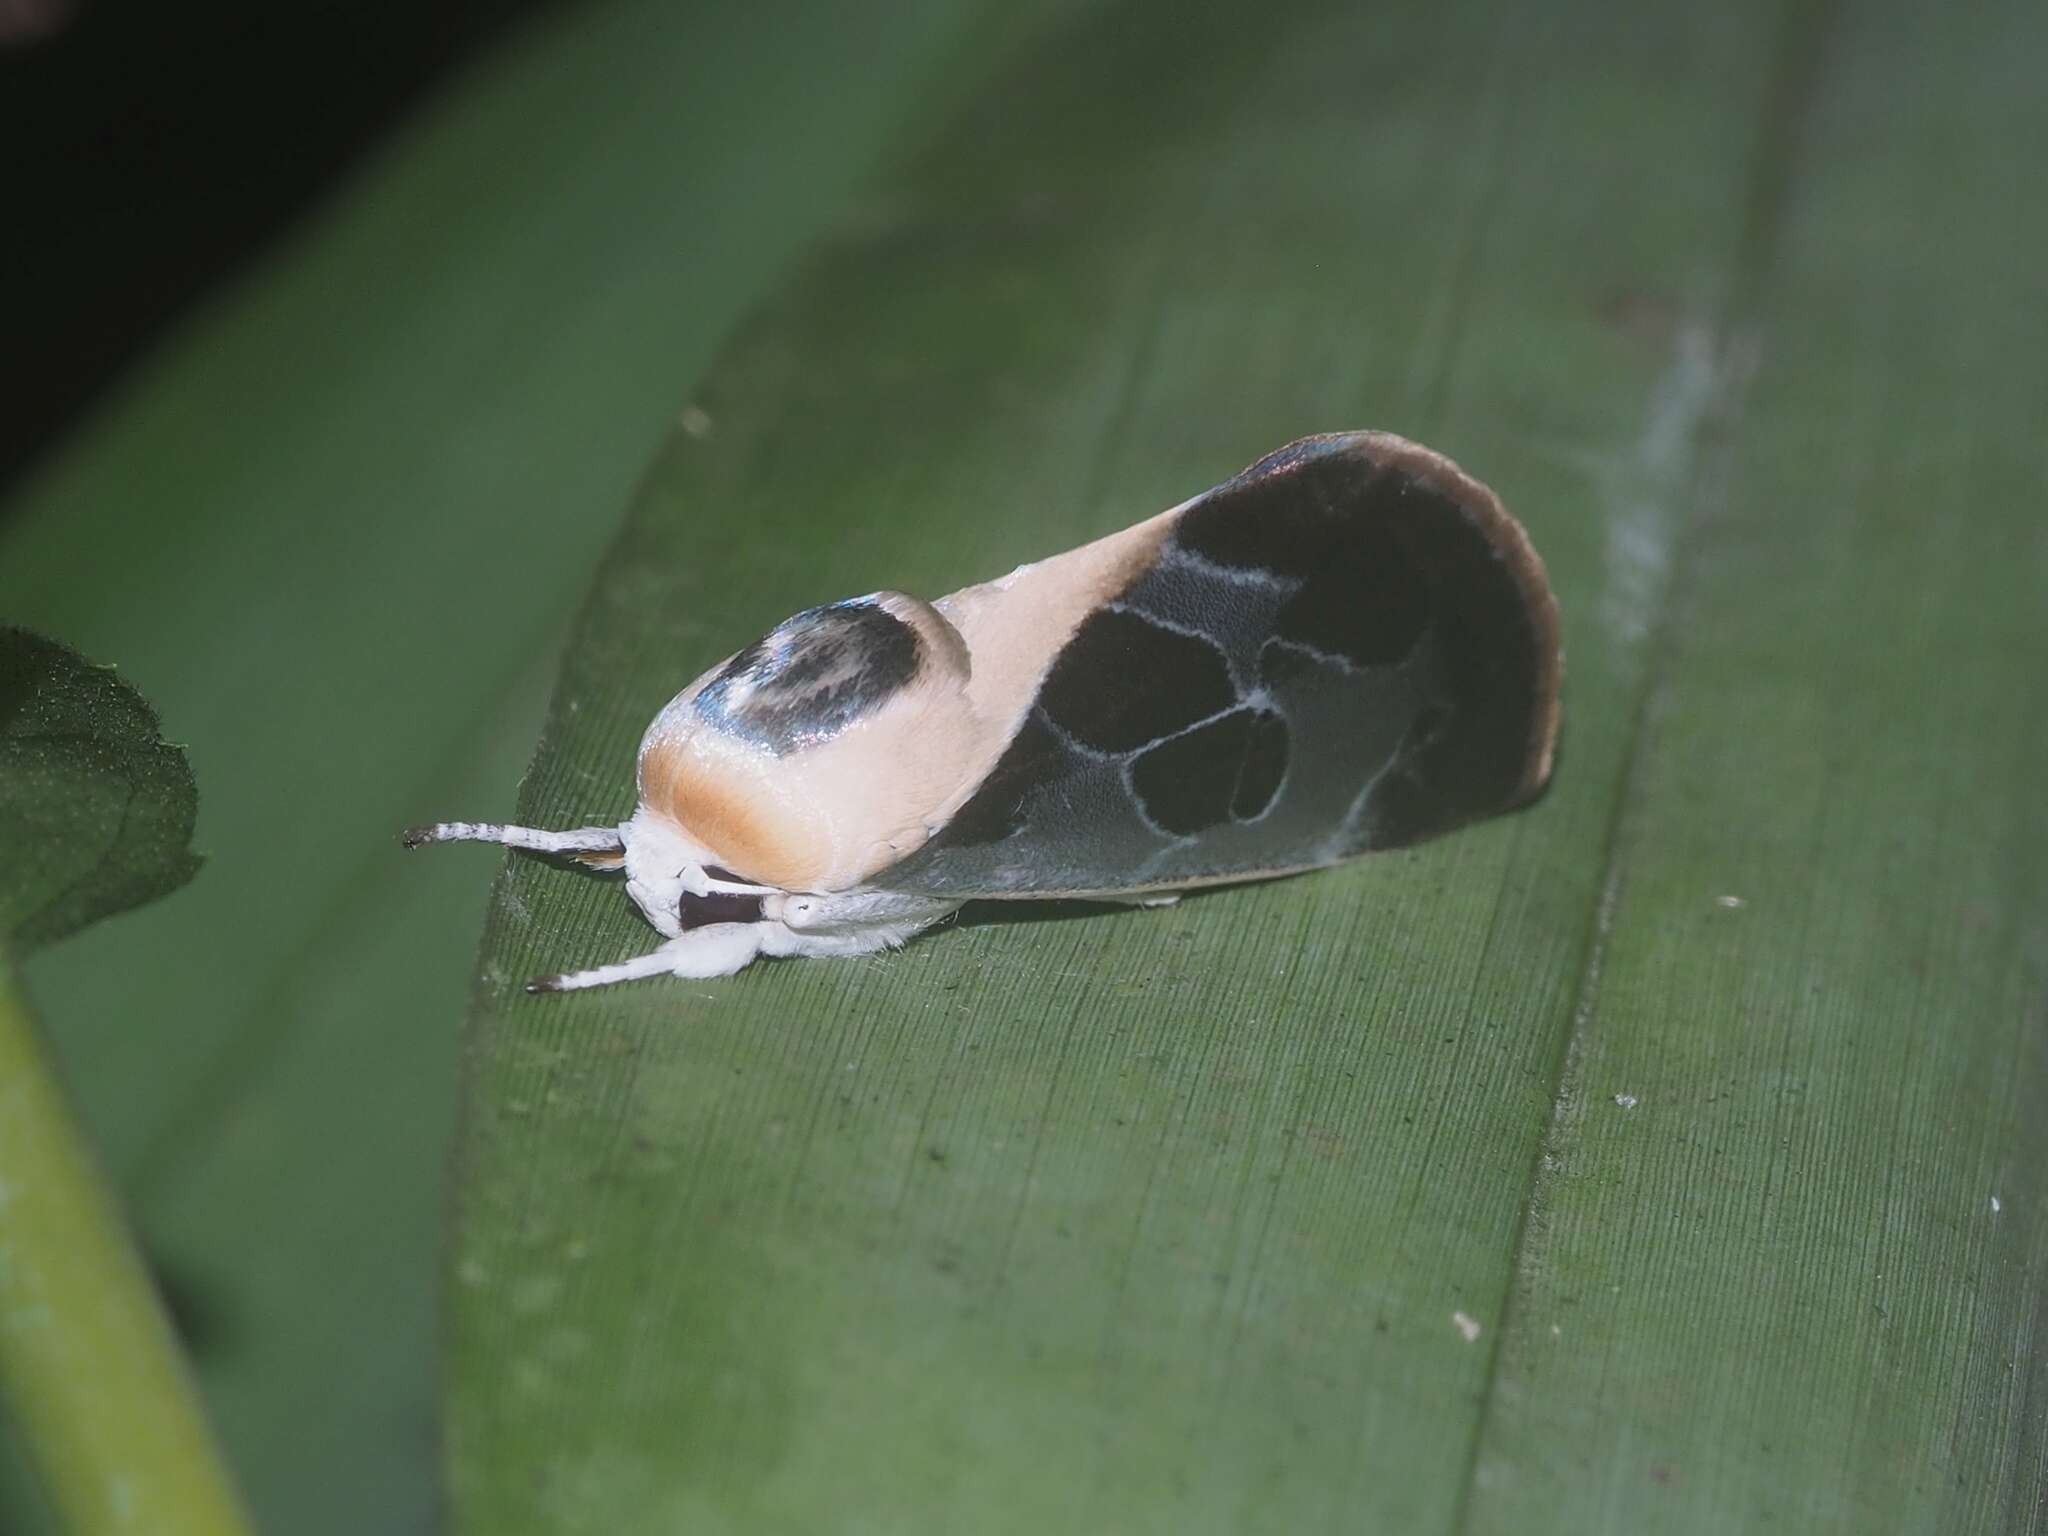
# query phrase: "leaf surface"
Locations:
[[96, 809], [335, 528], [1524, 1181], [96, 814]]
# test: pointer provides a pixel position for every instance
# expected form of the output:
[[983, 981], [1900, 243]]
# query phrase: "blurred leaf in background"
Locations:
[[1666, 1157], [96, 817], [96, 809], [334, 528]]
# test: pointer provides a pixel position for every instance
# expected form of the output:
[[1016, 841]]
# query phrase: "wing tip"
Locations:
[[1509, 541]]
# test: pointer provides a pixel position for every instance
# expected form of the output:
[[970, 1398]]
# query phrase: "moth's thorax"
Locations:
[[813, 675], [821, 752]]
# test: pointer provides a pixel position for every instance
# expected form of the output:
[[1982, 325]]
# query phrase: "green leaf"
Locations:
[[335, 528], [90, 1372], [96, 809], [96, 814], [1667, 1156]]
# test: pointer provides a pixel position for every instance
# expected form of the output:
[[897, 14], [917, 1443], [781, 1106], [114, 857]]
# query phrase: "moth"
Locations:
[[1350, 646]]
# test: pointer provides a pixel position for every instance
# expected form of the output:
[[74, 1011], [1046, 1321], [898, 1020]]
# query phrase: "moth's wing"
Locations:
[[1350, 646]]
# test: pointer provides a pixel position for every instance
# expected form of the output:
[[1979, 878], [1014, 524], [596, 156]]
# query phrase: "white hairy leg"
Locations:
[[716, 950], [660, 866], [856, 912], [816, 926]]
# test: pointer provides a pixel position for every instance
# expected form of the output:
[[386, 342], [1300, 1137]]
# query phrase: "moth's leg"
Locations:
[[716, 950], [795, 925], [852, 923], [854, 911], [1151, 899], [600, 840]]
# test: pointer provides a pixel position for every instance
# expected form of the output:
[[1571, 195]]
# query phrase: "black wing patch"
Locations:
[[812, 676], [1347, 647], [1228, 768], [1171, 678]]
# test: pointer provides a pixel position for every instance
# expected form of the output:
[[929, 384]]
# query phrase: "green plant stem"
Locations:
[[88, 1364]]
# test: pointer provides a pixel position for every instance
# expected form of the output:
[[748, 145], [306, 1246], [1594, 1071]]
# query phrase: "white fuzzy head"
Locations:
[[662, 864]]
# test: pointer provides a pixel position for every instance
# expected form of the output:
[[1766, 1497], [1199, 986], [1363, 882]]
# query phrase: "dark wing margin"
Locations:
[[1350, 646]]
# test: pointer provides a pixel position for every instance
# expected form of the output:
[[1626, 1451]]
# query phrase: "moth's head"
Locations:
[[817, 754], [662, 863]]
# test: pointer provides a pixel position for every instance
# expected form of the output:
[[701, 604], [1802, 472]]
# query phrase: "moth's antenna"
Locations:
[[580, 840]]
